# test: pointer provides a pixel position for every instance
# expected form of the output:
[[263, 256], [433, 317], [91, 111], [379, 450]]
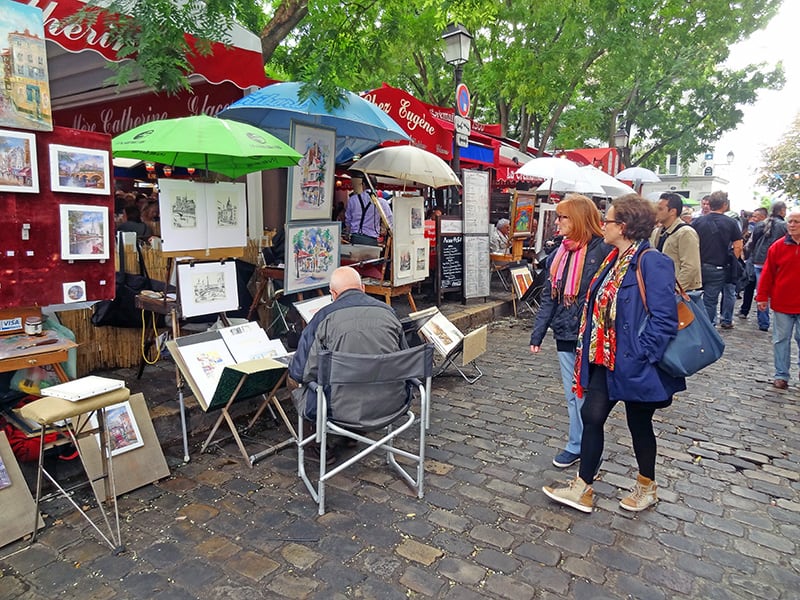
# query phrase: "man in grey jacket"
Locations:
[[354, 322]]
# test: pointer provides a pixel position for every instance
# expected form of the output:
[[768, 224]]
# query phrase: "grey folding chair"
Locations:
[[359, 394]]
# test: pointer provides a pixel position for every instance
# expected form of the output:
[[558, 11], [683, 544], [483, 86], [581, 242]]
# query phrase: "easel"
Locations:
[[385, 289]]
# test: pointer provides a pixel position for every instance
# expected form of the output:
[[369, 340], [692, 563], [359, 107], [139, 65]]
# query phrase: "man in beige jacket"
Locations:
[[678, 240]]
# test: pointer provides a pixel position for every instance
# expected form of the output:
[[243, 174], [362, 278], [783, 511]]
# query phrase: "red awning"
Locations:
[[241, 63], [605, 159]]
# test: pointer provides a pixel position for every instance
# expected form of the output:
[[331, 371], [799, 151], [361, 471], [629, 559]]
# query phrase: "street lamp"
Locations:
[[620, 142], [456, 52], [730, 157]]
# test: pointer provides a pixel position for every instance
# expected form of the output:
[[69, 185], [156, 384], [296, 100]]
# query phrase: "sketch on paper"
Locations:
[[311, 189], [5, 478], [404, 262], [24, 80], [79, 170], [184, 211], [312, 255], [84, 232], [417, 223], [227, 212], [422, 259], [18, 167], [208, 287]]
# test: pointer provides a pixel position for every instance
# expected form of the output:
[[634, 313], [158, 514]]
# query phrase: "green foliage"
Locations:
[[781, 170]]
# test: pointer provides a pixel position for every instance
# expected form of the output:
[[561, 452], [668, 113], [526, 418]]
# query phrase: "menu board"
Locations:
[[477, 271], [451, 261]]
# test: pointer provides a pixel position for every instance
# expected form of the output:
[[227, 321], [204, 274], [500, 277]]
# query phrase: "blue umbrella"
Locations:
[[360, 125]]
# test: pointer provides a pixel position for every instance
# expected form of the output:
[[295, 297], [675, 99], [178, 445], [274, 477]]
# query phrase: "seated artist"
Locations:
[[132, 222], [498, 237], [353, 322], [362, 218]]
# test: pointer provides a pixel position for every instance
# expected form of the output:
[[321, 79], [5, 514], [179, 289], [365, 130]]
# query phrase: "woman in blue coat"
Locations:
[[619, 348]]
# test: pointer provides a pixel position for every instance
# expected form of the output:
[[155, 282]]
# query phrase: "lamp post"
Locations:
[[620, 143], [456, 52]]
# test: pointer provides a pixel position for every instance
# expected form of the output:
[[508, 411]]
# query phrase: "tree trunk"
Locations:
[[286, 18]]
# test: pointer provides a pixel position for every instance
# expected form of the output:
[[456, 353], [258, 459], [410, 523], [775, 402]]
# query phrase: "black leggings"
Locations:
[[595, 411]]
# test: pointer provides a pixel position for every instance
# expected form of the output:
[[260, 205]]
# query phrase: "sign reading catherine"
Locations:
[[25, 90]]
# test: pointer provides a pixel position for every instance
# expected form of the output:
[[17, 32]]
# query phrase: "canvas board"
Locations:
[[79, 170], [311, 255], [16, 518], [19, 169], [84, 232], [207, 288], [441, 332], [474, 345], [135, 468], [522, 279], [25, 100], [310, 189]]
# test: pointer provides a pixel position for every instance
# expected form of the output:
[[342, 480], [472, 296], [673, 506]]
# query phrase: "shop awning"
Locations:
[[78, 57], [605, 159]]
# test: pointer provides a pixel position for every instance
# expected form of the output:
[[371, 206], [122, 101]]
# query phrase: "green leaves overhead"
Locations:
[[781, 171]]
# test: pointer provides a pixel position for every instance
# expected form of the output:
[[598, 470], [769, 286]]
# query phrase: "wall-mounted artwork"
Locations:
[[207, 288], [24, 81], [312, 254], [19, 171], [310, 188], [79, 170], [74, 291], [84, 232], [122, 429]]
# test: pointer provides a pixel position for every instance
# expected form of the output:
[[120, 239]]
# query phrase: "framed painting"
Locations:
[[19, 171], [24, 80], [207, 288], [122, 428], [311, 255], [522, 279], [79, 170], [310, 189], [227, 215], [184, 222], [523, 219], [84, 232]]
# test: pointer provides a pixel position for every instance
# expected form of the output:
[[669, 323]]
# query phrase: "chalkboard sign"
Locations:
[[452, 262]]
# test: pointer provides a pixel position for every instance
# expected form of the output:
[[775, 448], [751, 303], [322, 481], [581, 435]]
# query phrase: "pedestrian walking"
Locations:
[[618, 349], [569, 270]]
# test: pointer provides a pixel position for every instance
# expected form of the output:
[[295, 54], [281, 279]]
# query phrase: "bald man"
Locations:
[[353, 322]]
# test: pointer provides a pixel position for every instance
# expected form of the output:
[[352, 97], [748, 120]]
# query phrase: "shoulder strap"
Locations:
[[640, 281], [364, 208]]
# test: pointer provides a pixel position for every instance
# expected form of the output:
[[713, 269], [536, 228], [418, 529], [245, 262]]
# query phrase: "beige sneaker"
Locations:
[[642, 496], [577, 495]]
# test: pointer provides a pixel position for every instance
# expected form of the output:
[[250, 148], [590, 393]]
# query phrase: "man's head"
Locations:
[[759, 214], [504, 226], [669, 208], [133, 214], [793, 224], [779, 208], [718, 201], [343, 279], [686, 215], [704, 207]]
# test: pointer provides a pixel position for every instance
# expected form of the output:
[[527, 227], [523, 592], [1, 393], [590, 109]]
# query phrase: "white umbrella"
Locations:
[[611, 186], [638, 175], [550, 167], [581, 185], [408, 163]]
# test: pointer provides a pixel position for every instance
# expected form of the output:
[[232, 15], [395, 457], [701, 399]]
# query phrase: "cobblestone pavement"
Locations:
[[727, 525]]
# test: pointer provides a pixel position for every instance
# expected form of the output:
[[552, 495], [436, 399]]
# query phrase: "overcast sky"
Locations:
[[771, 116]]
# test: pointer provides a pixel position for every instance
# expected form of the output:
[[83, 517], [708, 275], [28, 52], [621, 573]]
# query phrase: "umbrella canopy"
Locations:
[[550, 167], [408, 163], [638, 174], [360, 125], [611, 186], [580, 185], [204, 142]]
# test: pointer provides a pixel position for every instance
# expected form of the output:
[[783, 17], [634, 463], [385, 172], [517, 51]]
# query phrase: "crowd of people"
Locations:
[[137, 213]]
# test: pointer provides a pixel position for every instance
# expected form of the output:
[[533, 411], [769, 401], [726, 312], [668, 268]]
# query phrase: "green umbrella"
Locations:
[[204, 142]]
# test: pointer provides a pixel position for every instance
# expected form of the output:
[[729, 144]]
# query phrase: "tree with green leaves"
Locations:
[[781, 170]]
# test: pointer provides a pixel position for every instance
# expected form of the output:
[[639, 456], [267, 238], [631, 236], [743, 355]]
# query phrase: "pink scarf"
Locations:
[[566, 271]]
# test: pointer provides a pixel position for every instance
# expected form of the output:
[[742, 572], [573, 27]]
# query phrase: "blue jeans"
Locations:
[[783, 324], [728, 300], [713, 286], [763, 315], [566, 360]]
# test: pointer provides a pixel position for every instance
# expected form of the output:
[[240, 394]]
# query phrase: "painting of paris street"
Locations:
[[18, 167], [207, 288], [312, 254], [79, 170], [84, 232]]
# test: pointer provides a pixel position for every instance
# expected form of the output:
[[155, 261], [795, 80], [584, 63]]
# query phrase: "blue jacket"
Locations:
[[565, 321], [636, 376]]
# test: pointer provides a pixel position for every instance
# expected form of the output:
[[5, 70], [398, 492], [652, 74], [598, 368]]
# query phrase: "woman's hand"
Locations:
[[535, 349]]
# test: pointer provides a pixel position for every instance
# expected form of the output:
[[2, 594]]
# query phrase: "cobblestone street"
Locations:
[[727, 524]]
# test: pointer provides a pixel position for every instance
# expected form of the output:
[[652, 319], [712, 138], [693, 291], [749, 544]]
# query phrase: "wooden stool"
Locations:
[[50, 412]]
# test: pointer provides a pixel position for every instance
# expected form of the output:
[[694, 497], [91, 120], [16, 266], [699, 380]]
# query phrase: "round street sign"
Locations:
[[462, 99]]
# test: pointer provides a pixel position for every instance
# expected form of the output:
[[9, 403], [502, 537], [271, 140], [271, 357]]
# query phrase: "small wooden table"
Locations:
[[387, 291], [20, 351]]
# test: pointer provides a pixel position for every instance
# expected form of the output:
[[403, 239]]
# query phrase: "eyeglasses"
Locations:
[[559, 217], [607, 221]]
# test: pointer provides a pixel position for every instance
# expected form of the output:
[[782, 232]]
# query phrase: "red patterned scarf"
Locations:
[[602, 336], [566, 271]]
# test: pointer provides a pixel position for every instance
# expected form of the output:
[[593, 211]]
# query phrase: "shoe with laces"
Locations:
[[565, 459], [642, 496], [576, 495]]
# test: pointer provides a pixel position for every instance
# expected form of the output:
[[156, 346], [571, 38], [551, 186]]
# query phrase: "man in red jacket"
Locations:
[[777, 288]]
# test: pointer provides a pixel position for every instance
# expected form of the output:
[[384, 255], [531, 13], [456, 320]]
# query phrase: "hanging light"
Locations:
[[167, 171], [150, 167], [190, 171]]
